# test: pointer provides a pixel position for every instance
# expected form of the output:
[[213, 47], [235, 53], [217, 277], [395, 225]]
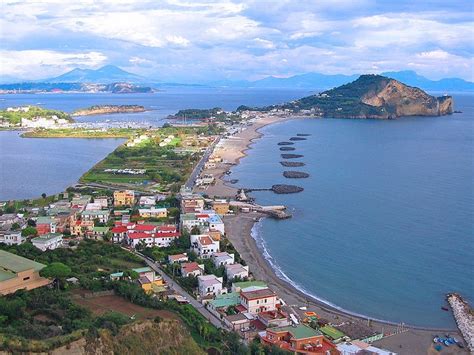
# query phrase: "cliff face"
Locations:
[[373, 96]]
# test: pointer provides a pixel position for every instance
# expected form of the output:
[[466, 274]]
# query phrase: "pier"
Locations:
[[463, 314], [277, 212]]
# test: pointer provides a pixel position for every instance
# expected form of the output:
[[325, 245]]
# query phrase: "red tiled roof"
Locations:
[[139, 235], [189, 267], [240, 308], [177, 256], [205, 240], [166, 235], [202, 215], [168, 228], [144, 227], [119, 229]]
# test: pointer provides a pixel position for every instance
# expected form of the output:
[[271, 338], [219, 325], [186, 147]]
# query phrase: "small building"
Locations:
[[298, 339], [153, 212], [261, 300], [45, 225], [48, 241], [359, 347], [222, 259], [92, 215], [216, 223], [17, 273], [243, 285], [359, 331], [275, 318], [191, 203], [236, 270], [210, 285], [98, 233], [119, 233], [12, 238], [204, 246], [192, 269], [178, 258], [221, 207], [124, 198], [221, 303], [237, 322], [147, 201]]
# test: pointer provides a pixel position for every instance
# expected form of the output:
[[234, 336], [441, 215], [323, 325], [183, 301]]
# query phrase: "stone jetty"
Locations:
[[292, 164], [291, 156], [464, 316], [303, 134], [286, 143], [287, 148], [297, 139], [295, 174], [286, 189]]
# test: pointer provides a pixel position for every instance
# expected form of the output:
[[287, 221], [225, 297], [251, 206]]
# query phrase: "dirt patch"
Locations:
[[101, 304]]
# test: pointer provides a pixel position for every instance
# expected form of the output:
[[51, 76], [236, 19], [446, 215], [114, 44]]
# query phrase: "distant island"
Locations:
[[106, 109], [370, 96], [59, 87]]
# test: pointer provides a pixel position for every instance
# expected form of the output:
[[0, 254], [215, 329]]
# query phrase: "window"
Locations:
[[26, 278]]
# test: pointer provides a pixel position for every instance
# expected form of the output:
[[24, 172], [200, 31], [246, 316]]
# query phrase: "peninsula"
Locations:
[[370, 96], [107, 109]]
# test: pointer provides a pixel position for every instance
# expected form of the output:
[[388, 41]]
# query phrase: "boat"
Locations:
[[444, 308]]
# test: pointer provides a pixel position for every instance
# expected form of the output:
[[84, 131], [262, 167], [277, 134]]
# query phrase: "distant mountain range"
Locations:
[[311, 81]]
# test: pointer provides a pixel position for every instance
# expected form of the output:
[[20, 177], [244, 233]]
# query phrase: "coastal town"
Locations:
[[190, 237]]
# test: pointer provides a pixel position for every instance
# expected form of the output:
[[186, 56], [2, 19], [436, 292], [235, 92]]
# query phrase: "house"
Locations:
[[298, 339], [236, 270], [93, 206], [359, 331], [17, 273], [215, 235], [160, 239], [81, 227], [221, 207], [147, 278], [237, 322], [191, 269], [80, 201], [92, 215], [102, 201], [153, 212], [210, 285], [260, 300], [147, 201], [45, 225], [177, 258], [222, 259], [49, 241], [98, 233], [204, 246], [7, 219], [221, 303], [124, 198], [12, 238], [190, 220], [119, 233], [273, 318], [215, 223], [360, 347], [191, 203]]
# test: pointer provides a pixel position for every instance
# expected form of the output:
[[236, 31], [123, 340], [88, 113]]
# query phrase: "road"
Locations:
[[199, 166], [175, 286]]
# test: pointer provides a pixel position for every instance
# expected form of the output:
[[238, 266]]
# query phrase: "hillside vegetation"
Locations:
[[14, 117]]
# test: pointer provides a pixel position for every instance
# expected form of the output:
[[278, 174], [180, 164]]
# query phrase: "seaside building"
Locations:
[[359, 331], [210, 285], [222, 258], [260, 300], [221, 303], [48, 241], [192, 269], [359, 347], [221, 207], [124, 198], [204, 246], [191, 203], [236, 270], [244, 285], [17, 273], [298, 339]]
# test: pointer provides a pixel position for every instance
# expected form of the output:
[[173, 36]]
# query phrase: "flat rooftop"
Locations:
[[11, 264]]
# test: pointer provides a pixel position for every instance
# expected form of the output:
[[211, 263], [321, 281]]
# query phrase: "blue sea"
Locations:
[[384, 227], [385, 224]]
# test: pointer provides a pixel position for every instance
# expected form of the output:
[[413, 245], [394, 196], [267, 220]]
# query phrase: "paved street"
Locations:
[[200, 165]]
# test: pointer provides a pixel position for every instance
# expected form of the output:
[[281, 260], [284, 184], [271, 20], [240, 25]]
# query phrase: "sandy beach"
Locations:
[[238, 230]]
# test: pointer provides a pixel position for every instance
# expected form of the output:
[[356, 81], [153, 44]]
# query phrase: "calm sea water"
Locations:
[[384, 227], [32, 166], [29, 167]]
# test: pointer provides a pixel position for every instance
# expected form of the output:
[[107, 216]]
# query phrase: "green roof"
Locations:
[[245, 284], [188, 216], [100, 229], [95, 213], [44, 220], [226, 300], [299, 332], [11, 264], [46, 237], [331, 332], [142, 269]]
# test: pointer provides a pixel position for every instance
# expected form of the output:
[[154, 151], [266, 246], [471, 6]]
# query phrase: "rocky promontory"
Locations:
[[107, 109], [295, 175]]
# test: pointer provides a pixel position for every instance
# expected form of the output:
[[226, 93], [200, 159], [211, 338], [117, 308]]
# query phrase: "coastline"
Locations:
[[241, 232]]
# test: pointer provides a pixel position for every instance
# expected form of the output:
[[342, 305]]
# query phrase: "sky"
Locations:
[[206, 40]]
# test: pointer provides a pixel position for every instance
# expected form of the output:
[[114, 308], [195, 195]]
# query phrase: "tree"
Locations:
[[15, 226], [56, 270], [29, 231], [195, 230], [43, 195]]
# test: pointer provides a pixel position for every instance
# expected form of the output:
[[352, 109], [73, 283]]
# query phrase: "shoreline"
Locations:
[[240, 231]]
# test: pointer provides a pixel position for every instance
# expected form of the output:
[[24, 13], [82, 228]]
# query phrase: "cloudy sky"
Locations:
[[205, 40]]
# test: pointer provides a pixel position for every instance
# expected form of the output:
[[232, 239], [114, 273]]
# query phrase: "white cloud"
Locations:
[[36, 64]]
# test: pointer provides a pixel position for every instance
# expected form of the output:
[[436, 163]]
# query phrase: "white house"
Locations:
[[204, 246], [153, 212], [178, 258], [222, 259], [91, 215], [236, 270], [215, 223], [147, 201], [49, 241], [192, 269], [12, 238], [210, 285], [162, 240], [260, 300]]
